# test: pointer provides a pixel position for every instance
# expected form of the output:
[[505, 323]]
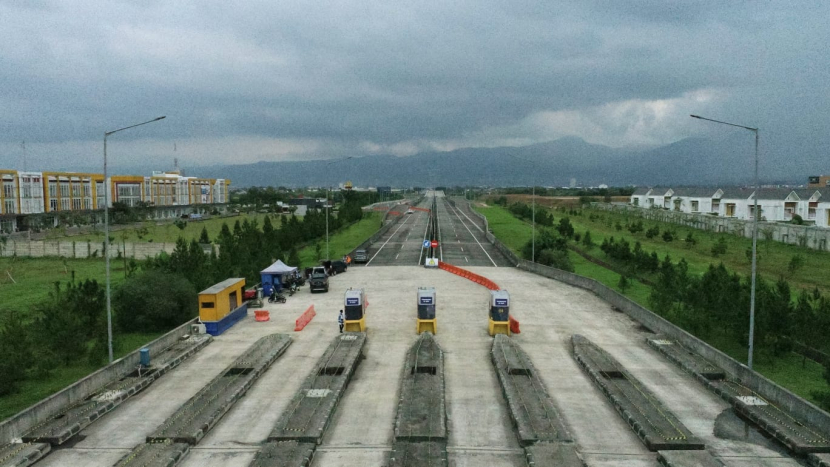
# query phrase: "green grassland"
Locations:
[[773, 256], [791, 371], [343, 242], [34, 278]]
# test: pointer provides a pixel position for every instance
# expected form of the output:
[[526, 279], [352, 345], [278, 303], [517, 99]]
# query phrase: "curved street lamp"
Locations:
[[754, 235], [107, 230]]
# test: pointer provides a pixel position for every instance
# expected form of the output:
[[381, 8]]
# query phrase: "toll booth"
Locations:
[[355, 310], [499, 312], [426, 310], [222, 305]]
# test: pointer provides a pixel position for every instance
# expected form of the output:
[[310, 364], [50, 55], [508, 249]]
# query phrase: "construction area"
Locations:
[[583, 384]]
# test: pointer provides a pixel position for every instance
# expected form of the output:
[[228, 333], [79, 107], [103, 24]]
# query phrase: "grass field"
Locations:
[[166, 232], [34, 278], [773, 256], [786, 371], [342, 242]]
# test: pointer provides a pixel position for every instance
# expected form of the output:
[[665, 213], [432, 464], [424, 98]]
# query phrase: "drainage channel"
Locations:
[[421, 421], [539, 424], [300, 428], [38, 441], [193, 420], [796, 435]]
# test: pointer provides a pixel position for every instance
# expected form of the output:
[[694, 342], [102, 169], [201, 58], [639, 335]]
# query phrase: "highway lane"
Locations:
[[402, 245], [462, 239]]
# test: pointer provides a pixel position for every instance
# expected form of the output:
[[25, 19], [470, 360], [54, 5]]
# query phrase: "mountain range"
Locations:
[[691, 161]]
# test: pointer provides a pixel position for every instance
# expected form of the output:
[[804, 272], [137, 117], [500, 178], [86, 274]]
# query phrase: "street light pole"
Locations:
[[533, 210], [328, 192], [107, 231], [755, 216]]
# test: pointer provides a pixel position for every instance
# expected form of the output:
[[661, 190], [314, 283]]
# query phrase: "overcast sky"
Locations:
[[246, 81]]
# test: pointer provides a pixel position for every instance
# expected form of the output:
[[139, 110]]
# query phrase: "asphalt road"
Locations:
[[462, 238], [403, 243]]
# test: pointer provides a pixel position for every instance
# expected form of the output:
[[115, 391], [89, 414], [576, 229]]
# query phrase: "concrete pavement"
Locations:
[[480, 429]]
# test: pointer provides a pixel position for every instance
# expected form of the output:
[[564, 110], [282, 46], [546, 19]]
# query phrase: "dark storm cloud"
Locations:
[[265, 80]]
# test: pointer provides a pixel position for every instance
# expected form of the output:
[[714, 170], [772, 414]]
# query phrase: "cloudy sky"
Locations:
[[262, 80]]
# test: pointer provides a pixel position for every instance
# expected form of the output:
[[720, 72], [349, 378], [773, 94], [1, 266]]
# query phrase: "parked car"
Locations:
[[410, 211], [334, 267], [361, 256], [319, 281]]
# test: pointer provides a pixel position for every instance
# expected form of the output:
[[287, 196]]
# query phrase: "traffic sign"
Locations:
[[434, 243], [426, 243]]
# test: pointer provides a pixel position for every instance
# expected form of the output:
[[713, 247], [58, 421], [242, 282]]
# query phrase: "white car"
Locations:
[[410, 211]]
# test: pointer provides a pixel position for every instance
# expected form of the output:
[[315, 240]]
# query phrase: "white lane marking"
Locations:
[[479, 243], [471, 221], [462, 248], [396, 256], [465, 259], [387, 241]]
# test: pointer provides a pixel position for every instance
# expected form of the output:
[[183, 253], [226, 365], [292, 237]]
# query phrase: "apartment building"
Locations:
[[169, 194]]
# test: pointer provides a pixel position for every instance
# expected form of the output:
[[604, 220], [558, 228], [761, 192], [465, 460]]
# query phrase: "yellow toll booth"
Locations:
[[355, 306], [426, 310], [221, 305], [499, 312]]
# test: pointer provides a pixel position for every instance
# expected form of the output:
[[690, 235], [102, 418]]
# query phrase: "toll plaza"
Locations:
[[499, 312], [221, 305], [355, 308], [426, 320]]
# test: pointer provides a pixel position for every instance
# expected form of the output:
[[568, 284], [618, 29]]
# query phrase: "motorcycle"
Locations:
[[293, 288], [276, 298]]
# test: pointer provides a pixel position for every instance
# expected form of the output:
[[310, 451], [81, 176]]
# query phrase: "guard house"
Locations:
[[221, 305], [499, 312], [355, 310], [426, 310]]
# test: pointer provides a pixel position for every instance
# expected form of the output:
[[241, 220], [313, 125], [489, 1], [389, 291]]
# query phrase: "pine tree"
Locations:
[[203, 238]]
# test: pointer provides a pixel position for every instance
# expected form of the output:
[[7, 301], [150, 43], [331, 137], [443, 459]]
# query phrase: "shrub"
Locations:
[[154, 301], [719, 248], [667, 236], [555, 258]]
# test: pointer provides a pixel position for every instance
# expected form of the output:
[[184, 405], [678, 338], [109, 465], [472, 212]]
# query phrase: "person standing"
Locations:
[[341, 321]]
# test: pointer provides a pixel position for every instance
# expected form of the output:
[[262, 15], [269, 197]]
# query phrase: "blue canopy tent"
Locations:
[[274, 276]]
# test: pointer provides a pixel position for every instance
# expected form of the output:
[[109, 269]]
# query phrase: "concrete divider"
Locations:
[[16, 426], [304, 318], [801, 409]]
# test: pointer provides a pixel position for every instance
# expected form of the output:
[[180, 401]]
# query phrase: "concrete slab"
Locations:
[[418, 453], [653, 422], [793, 434], [164, 454], [284, 454], [310, 411], [22, 454], [558, 454], [531, 408], [421, 410], [819, 460], [198, 415], [687, 459]]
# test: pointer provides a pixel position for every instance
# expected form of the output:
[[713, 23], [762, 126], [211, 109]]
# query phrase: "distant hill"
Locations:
[[692, 161]]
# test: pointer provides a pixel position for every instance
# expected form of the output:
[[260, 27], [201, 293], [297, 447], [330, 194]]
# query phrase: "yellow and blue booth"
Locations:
[[221, 305]]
